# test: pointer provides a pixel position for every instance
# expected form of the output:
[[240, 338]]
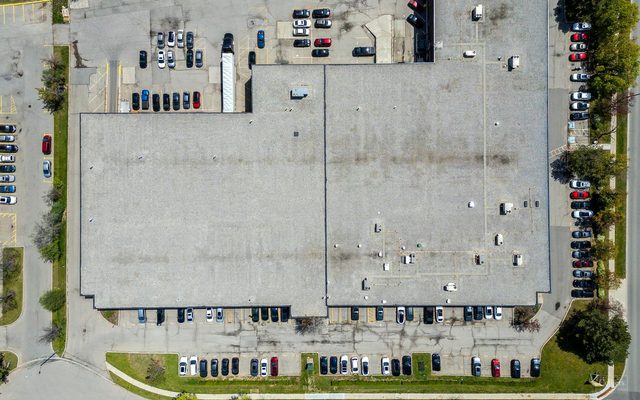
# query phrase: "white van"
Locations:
[[477, 12], [514, 62], [517, 259]]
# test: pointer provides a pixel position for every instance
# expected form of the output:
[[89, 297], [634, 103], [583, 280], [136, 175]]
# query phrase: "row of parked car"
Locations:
[[584, 284], [476, 367], [6, 138], [360, 365], [193, 366], [141, 101], [431, 313], [169, 58], [579, 108], [186, 314]]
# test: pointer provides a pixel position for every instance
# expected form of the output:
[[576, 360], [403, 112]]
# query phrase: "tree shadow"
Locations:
[[560, 17], [566, 338], [560, 170]]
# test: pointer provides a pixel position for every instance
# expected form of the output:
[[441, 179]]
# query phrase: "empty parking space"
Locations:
[[23, 13]]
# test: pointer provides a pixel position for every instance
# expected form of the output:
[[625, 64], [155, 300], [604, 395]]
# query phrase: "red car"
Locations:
[[495, 368], [46, 144], [322, 42], [274, 366], [579, 37], [415, 5], [578, 57], [579, 195], [582, 264], [196, 99]]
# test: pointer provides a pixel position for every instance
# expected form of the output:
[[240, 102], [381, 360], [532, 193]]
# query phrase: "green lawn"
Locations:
[[60, 135], [13, 283], [11, 359], [621, 186], [110, 315], [136, 390]]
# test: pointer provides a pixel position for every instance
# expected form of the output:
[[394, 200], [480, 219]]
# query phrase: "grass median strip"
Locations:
[[12, 284], [621, 186]]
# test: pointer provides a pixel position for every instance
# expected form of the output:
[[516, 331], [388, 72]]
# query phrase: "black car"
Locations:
[[255, 314], [264, 313], [318, 13], [176, 101], [478, 313], [468, 313], [235, 365], [7, 128], [252, 58], [203, 368], [284, 314], [135, 101], [225, 367], [227, 43], [143, 59], [7, 168], [166, 102], [535, 367], [379, 313], [579, 205], [581, 244], [323, 23], [323, 365], [414, 20], [301, 14], [428, 315], [584, 284], [580, 234], [189, 58], [395, 367], [435, 362], [180, 315], [302, 43], [355, 313], [406, 365], [214, 367], [274, 314], [254, 367], [156, 102], [190, 40], [159, 316], [320, 53], [578, 116], [363, 52], [515, 369], [186, 100], [333, 364], [577, 293], [409, 315], [8, 148]]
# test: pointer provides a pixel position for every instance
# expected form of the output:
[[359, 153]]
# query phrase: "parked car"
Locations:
[[9, 148], [428, 315], [497, 313], [176, 101], [580, 77], [320, 53], [488, 312], [203, 368], [578, 57], [579, 293], [8, 159], [363, 51], [579, 116], [171, 61], [219, 315], [321, 13], [301, 43], [135, 101], [535, 367], [301, 14], [579, 37], [224, 369], [274, 314], [7, 188], [264, 313], [333, 364], [46, 168], [209, 314], [199, 59], [252, 59], [143, 59], [189, 58], [476, 366], [189, 314], [581, 96], [145, 99], [161, 59], [355, 365], [495, 368], [171, 39], [166, 102], [582, 214], [406, 365], [301, 32], [578, 205], [515, 369], [182, 366], [235, 365], [7, 168], [579, 195], [156, 102], [478, 313], [379, 313], [7, 178], [365, 366], [274, 366], [186, 100], [159, 316], [46, 144], [580, 254], [579, 106], [415, 21], [577, 184], [415, 5], [439, 314], [385, 366], [584, 284], [355, 313], [395, 367], [253, 368], [193, 365], [578, 47], [322, 23], [284, 314], [9, 200], [255, 314], [180, 38], [227, 43], [581, 274], [301, 23], [260, 39], [196, 100], [263, 367], [180, 315], [581, 27], [409, 313], [582, 264], [160, 40], [581, 244], [214, 367], [7, 128], [324, 365], [344, 365], [581, 234], [435, 362], [190, 41], [400, 317], [468, 313], [322, 42]]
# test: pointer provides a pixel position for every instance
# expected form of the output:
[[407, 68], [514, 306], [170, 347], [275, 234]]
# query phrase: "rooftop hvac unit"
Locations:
[[365, 284]]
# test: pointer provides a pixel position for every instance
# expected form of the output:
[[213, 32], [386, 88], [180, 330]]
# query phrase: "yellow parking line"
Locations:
[[23, 3], [14, 13], [371, 314]]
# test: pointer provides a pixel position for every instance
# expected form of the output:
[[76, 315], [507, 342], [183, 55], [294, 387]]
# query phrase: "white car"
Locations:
[[219, 315], [171, 39], [8, 159], [344, 365], [209, 314], [263, 367], [578, 214], [451, 287], [7, 178], [488, 312], [580, 77], [355, 369], [182, 366], [581, 26], [171, 61], [180, 38], [575, 96], [386, 366], [400, 315], [469, 54], [301, 32], [439, 314], [189, 314], [193, 365], [499, 239], [497, 313], [301, 23], [7, 138], [579, 106], [578, 47], [365, 366], [578, 184], [8, 200], [161, 61]]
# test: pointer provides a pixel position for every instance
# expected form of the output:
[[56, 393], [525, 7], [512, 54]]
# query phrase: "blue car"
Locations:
[[7, 189], [145, 99], [261, 39]]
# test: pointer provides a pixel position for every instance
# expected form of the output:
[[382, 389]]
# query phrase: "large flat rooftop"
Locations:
[[279, 206]]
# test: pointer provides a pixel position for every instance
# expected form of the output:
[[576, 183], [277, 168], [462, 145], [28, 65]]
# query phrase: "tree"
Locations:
[[308, 325], [603, 250], [51, 333], [607, 279], [595, 165], [54, 85], [605, 218], [5, 368], [53, 300], [186, 396], [10, 263], [523, 319], [155, 371], [9, 301], [606, 198]]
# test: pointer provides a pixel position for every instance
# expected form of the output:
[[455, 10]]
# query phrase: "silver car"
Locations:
[[7, 138], [46, 168], [7, 178], [171, 61]]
